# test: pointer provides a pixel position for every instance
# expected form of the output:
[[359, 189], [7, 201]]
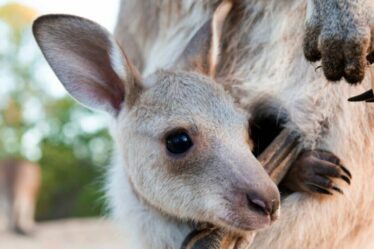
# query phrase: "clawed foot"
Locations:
[[317, 171], [340, 33]]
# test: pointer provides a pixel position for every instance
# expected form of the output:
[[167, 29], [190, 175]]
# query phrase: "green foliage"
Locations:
[[68, 183], [69, 142]]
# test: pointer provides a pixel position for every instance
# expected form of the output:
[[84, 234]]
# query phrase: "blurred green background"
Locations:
[[40, 124]]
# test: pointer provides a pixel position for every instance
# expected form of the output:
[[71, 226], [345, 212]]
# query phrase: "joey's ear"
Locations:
[[88, 61], [203, 50]]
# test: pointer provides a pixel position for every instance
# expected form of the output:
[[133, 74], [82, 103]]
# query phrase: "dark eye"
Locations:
[[178, 143]]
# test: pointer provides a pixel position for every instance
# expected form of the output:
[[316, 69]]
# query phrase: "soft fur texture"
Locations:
[[262, 57]]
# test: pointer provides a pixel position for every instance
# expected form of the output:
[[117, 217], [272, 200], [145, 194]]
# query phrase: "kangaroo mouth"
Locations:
[[241, 224]]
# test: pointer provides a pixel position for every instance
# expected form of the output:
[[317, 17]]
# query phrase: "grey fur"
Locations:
[[262, 57]]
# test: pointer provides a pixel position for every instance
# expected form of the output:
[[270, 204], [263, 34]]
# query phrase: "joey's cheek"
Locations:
[[183, 167], [196, 161]]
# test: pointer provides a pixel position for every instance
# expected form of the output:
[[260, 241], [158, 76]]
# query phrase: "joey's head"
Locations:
[[185, 144]]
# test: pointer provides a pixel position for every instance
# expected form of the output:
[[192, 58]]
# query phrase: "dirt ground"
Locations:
[[67, 234]]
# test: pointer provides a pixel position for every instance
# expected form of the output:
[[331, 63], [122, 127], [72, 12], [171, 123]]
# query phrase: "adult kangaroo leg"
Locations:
[[340, 33]]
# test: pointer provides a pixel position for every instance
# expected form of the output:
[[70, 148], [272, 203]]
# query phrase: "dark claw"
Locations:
[[346, 171], [317, 189], [364, 96], [346, 179], [316, 69], [338, 190]]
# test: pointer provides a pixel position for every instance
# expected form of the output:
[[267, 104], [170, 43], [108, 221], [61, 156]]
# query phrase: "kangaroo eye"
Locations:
[[178, 143]]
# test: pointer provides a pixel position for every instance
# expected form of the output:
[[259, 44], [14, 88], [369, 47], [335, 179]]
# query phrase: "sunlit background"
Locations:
[[40, 123]]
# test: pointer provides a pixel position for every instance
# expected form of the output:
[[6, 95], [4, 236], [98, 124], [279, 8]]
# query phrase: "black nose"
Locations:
[[265, 205]]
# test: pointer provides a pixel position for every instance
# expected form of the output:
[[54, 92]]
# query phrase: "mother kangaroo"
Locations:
[[289, 52]]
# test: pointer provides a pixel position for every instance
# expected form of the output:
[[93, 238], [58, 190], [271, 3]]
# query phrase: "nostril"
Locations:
[[268, 208], [260, 205]]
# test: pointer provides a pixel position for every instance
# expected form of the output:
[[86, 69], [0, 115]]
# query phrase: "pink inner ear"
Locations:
[[117, 96], [107, 98], [89, 77], [100, 89], [79, 51], [107, 86]]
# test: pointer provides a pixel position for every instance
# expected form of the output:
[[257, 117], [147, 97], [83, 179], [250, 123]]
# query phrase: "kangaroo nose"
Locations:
[[268, 206]]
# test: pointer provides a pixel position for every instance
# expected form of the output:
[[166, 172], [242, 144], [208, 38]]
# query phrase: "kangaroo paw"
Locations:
[[317, 171], [340, 33]]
